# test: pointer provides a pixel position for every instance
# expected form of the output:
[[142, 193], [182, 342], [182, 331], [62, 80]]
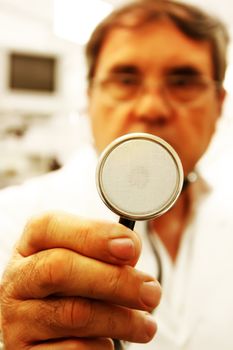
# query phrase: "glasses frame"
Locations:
[[205, 85]]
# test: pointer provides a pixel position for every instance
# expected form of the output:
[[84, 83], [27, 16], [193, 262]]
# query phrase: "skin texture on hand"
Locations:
[[71, 284]]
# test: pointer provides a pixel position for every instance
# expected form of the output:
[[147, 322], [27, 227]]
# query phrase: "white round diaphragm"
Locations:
[[139, 176]]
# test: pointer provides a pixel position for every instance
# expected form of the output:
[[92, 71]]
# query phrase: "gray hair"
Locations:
[[192, 21]]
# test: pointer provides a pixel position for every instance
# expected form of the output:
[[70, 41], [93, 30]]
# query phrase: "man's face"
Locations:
[[154, 54]]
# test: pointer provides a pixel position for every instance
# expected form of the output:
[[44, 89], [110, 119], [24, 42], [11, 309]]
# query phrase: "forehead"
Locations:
[[154, 47]]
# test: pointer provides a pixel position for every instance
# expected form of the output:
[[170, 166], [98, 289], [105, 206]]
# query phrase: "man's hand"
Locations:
[[71, 284]]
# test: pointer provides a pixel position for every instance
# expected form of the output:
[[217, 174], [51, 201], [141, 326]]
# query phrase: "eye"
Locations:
[[184, 81], [127, 79], [179, 81]]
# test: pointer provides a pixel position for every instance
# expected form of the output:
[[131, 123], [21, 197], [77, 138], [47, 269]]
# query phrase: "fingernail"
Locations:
[[150, 293], [151, 326], [122, 248]]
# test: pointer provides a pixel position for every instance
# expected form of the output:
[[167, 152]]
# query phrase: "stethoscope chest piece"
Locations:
[[139, 176]]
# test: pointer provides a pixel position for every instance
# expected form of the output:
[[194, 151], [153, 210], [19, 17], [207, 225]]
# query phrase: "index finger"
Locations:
[[103, 240]]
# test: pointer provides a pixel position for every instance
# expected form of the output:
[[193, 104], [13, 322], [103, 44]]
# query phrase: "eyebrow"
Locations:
[[125, 68], [133, 69], [184, 70]]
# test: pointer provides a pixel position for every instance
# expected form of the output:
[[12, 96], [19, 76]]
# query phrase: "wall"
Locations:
[[38, 130], [50, 126]]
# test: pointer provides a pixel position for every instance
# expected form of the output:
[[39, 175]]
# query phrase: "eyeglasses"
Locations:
[[180, 88]]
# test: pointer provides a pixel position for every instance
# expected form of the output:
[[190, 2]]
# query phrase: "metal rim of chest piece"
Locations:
[[139, 176]]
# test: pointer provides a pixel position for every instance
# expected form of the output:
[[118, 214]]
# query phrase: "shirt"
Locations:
[[196, 310]]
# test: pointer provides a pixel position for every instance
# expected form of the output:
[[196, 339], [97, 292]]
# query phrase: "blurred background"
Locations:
[[42, 85]]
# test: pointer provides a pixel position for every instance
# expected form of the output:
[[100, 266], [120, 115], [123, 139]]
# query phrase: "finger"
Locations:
[[65, 273], [106, 241], [77, 344], [83, 318]]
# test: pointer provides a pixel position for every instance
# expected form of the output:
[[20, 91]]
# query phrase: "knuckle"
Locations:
[[116, 279], [35, 223], [36, 229], [68, 312], [78, 314], [12, 320], [129, 321], [54, 269], [83, 234], [6, 304], [122, 330], [87, 314], [13, 276], [132, 324], [86, 233]]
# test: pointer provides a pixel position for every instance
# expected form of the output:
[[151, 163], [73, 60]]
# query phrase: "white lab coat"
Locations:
[[196, 311]]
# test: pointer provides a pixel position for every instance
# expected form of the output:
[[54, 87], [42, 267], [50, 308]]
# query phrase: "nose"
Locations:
[[152, 107]]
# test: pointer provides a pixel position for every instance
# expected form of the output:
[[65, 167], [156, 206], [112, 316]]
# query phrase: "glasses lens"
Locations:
[[186, 88], [122, 86]]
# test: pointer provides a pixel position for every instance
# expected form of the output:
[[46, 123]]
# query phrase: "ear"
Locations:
[[88, 91], [88, 94], [222, 93]]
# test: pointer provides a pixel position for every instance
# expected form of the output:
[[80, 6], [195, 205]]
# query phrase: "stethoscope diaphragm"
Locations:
[[139, 176]]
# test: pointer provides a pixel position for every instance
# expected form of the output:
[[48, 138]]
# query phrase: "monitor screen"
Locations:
[[32, 72]]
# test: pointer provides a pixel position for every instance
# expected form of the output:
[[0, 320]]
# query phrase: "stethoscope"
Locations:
[[139, 176]]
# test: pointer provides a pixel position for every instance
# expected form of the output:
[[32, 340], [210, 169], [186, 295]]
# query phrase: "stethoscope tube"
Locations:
[[130, 224], [127, 222], [158, 259]]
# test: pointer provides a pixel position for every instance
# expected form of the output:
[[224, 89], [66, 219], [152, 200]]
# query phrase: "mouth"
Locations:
[[152, 128]]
